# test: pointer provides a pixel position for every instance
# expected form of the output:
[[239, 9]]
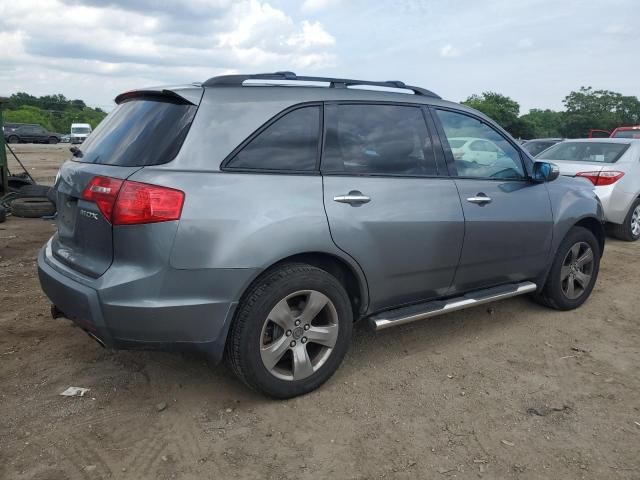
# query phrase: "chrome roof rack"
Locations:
[[285, 76]]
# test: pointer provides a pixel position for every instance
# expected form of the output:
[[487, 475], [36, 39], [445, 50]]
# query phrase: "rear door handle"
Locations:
[[479, 199], [354, 198]]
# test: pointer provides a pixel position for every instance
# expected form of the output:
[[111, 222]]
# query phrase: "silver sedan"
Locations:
[[612, 165]]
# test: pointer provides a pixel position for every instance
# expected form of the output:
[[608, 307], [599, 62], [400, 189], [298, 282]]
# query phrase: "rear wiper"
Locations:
[[76, 152]]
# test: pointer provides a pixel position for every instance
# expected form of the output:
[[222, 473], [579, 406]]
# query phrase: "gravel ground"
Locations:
[[512, 390]]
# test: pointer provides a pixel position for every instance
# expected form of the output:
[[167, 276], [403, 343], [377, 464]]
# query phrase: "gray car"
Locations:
[[612, 165], [256, 217]]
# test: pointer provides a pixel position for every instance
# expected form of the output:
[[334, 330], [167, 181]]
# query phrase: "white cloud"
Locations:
[[524, 43], [317, 5], [449, 51]]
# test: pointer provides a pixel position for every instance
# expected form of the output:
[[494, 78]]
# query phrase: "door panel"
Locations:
[[506, 240], [508, 218], [407, 238]]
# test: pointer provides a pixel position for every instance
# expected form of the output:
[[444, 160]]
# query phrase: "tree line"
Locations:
[[585, 110], [56, 113]]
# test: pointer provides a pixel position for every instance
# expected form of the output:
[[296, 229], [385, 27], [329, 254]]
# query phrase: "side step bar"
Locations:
[[421, 311]]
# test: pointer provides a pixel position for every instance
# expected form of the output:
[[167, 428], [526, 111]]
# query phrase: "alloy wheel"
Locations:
[[635, 222], [577, 270], [299, 335]]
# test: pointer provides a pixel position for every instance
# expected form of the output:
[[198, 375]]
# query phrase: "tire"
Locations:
[[53, 140], [629, 230], [33, 191], [3, 214], [286, 293], [13, 139], [557, 293], [32, 207], [17, 182]]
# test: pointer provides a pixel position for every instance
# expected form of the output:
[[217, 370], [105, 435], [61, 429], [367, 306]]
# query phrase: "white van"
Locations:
[[79, 131]]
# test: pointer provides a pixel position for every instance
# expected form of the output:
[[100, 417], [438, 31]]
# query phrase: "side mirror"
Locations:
[[545, 172]]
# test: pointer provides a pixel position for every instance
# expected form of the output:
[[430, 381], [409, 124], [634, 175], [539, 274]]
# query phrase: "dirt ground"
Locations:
[[511, 391]]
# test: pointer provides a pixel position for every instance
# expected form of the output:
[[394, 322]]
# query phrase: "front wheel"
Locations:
[[574, 271], [13, 139], [291, 331], [53, 140]]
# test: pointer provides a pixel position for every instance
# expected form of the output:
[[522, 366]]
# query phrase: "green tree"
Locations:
[[545, 123], [503, 110]]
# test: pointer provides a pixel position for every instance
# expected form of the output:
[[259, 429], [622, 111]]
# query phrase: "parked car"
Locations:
[[257, 222], [626, 132], [537, 145], [80, 132], [613, 167], [31, 134], [65, 138]]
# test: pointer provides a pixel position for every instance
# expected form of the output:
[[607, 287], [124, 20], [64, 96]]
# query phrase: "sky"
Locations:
[[535, 51]]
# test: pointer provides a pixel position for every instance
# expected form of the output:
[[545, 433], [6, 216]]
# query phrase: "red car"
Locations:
[[620, 132]]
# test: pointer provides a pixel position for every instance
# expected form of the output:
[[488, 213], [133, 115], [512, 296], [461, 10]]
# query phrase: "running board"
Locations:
[[421, 311]]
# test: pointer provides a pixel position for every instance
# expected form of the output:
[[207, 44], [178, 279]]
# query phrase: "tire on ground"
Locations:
[[34, 191], [32, 207], [552, 294], [242, 352], [3, 214], [623, 231]]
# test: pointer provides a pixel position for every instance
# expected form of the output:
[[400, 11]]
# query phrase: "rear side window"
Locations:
[[141, 131], [291, 143], [377, 139]]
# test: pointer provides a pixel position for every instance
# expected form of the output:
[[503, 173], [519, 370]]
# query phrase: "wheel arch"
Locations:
[[349, 275], [594, 226]]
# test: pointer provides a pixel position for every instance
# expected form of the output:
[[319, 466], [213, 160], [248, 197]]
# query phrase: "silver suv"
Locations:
[[256, 217]]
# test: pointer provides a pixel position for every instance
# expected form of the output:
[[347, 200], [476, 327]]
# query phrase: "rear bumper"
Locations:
[[167, 310], [615, 201]]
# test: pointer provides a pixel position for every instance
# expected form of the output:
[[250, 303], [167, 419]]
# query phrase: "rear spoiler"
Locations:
[[189, 95]]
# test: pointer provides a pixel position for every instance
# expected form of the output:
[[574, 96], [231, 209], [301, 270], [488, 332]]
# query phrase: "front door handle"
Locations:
[[479, 199], [354, 198]]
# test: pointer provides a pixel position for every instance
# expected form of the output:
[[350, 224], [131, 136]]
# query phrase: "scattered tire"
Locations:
[[13, 139], [291, 331], [31, 191], [17, 182], [3, 214], [32, 207], [629, 230], [574, 271]]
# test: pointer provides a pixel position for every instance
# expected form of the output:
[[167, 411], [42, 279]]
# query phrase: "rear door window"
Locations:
[[377, 140], [291, 143], [147, 130]]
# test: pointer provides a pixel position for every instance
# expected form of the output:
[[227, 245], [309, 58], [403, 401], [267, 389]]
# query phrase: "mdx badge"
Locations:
[[88, 214]]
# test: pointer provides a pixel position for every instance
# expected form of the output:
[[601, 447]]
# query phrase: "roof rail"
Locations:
[[237, 80]]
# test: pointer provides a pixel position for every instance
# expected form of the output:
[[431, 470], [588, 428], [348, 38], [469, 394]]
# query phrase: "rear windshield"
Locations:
[[585, 152], [627, 134], [140, 131], [534, 148]]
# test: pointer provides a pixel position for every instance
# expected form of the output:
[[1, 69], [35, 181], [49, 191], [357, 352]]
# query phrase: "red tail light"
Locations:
[[130, 203], [602, 178], [103, 191]]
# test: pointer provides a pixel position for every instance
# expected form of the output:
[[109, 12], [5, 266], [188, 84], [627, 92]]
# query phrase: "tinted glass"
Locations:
[[497, 158], [290, 143], [627, 134], [377, 139], [598, 152], [143, 131], [534, 148]]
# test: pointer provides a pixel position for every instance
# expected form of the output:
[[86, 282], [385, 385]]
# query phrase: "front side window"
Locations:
[[290, 143], [478, 150], [377, 139]]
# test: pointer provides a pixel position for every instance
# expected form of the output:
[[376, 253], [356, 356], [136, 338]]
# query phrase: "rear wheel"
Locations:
[[291, 331], [629, 230], [574, 271]]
